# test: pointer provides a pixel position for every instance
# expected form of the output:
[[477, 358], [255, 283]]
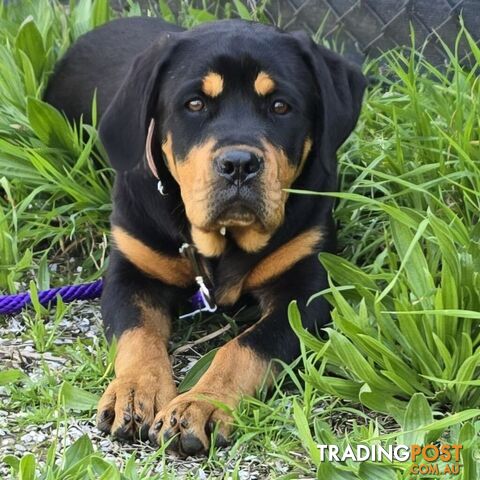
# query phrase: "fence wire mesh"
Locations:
[[368, 27], [361, 28]]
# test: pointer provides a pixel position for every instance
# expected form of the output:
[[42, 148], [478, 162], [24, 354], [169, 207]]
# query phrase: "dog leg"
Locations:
[[241, 366]]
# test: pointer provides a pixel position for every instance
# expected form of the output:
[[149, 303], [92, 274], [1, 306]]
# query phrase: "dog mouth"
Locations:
[[236, 215]]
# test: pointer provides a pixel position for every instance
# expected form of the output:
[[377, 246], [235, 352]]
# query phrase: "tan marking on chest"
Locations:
[[171, 270], [271, 267], [209, 244], [282, 259], [249, 239]]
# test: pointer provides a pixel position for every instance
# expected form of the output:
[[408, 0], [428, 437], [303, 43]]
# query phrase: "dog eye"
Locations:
[[195, 105], [280, 107]]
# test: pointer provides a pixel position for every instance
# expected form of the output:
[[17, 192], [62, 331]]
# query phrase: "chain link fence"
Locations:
[[368, 27], [364, 28]]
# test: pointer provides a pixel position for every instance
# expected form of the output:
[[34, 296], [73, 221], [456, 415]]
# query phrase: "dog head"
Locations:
[[238, 109]]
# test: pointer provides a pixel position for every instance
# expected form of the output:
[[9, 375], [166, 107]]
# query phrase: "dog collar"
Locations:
[[149, 155], [203, 299]]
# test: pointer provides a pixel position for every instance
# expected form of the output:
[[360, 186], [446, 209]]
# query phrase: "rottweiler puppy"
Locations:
[[206, 130]]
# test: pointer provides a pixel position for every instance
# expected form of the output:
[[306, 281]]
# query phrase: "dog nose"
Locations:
[[238, 166]]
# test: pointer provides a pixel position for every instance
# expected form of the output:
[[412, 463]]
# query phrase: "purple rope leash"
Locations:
[[10, 304]]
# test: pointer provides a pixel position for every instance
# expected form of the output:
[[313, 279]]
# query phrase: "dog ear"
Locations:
[[124, 125], [340, 86]]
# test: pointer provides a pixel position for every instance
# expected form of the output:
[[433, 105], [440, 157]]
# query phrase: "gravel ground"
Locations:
[[83, 321]]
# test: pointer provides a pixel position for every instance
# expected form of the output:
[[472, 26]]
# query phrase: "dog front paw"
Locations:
[[130, 403], [190, 420]]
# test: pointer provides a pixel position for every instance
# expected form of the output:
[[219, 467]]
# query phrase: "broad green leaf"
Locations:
[[11, 376], [77, 452], [27, 467], [100, 467], [29, 80], [345, 272], [469, 440], [356, 363], [380, 401], [446, 244], [445, 355], [466, 373], [445, 312], [439, 425], [30, 41], [311, 341], [412, 261], [49, 125], [196, 372], [100, 12], [242, 10], [331, 471], [339, 387], [418, 414], [200, 16], [110, 473], [74, 398], [13, 462], [166, 11]]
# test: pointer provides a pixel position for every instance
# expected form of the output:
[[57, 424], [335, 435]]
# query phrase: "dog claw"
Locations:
[[106, 415], [221, 441], [191, 445]]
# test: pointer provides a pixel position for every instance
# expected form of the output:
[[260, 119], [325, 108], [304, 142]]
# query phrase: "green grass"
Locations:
[[401, 360]]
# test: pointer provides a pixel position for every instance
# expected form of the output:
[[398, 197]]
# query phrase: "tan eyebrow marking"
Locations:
[[212, 84], [264, 84]]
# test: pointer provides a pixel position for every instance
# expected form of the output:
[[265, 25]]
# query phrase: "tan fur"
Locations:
[[270, 268], [235, 371], [283, 258], [264, 84], [279, 174], [212, 84], [307, 147], [196, 178], [171, 270], [194, 174], [250, 239], [210, 244], [141, 347], [144, 382]]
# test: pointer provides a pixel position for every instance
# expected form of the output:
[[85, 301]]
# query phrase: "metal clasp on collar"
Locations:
[[203, 296]]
